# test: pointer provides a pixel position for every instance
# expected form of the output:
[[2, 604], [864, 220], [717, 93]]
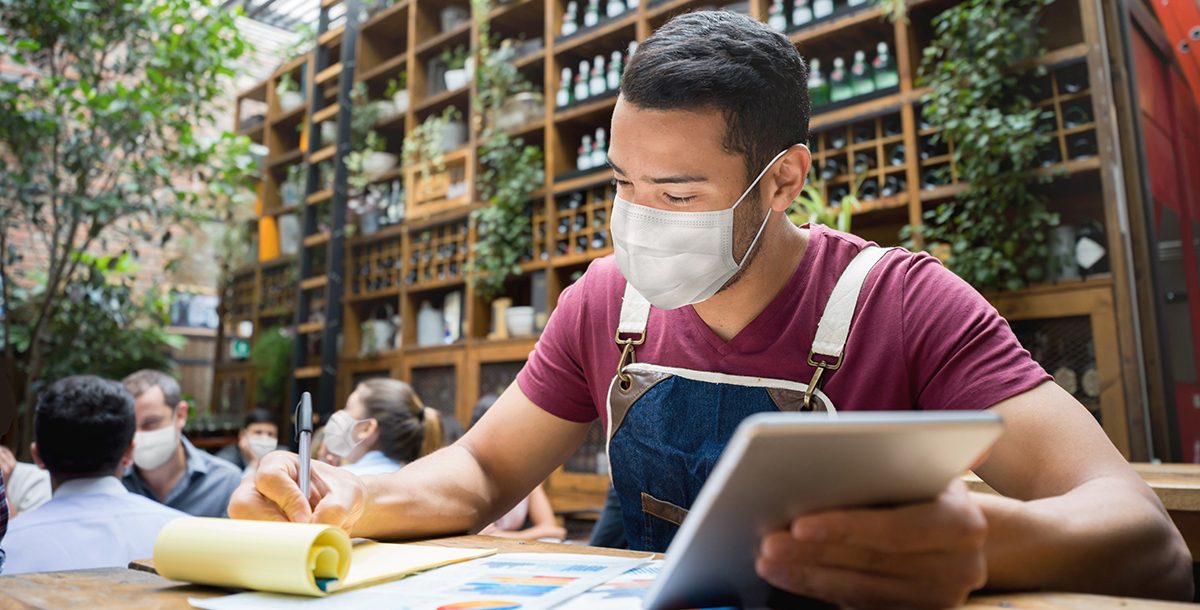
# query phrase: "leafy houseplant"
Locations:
[[94, 147], [288, 93], [427, 143], [811, 207], [995, 232], [510, 170], [271, 356], [397, 91], [455, 60]]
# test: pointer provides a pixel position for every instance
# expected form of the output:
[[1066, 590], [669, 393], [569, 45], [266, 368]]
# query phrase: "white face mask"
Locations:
[[339, 434], [152, 449], [261, 445], [678, 258]]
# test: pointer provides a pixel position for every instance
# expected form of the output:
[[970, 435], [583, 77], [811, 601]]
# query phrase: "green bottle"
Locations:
[[818, 89], [839, 86], [861, 82], [884, 68]]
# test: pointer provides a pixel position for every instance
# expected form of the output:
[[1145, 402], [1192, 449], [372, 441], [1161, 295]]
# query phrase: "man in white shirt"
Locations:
[[83, 435], [28, 486]]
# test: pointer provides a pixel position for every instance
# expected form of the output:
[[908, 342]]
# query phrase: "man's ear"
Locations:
[[37, 459], [126, 460], [181, 413], [791, 171], [370, 428]]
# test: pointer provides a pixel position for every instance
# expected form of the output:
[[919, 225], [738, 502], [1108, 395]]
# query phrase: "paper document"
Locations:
[[296, 558], [518, 581]]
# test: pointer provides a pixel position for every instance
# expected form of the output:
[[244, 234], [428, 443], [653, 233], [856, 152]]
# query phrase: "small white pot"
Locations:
[[328, 132], [519, 320], [456, 79], [378, 162], [400, 101], [290, 100], [454, 136]]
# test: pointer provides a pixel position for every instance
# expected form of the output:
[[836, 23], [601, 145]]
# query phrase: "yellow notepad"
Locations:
[[298, 558]]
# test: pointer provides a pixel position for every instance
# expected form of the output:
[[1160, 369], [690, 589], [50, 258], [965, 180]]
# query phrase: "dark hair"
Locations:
[[259, 416], [732, 63], [140, 382], [407, 428], [482, 405], [83, 425]]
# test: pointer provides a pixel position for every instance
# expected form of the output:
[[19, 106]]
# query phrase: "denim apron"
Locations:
[[667, 426]]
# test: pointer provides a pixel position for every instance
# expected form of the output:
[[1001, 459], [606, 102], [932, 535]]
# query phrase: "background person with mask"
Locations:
[[83, 431], [166, 467], [259, 436], [383, 427]]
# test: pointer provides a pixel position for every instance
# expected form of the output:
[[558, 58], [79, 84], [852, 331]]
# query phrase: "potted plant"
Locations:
[[455, 60], [397, 91], [288, 92], [271, 356]]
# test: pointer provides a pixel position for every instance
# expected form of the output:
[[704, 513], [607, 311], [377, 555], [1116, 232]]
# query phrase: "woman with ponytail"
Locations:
[[383, 427]]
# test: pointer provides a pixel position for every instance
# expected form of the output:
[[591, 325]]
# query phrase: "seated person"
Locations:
[[166, 467], [83, 430], [259, 436], [533, 517], [383, 427], [27, 486], [319, 452]]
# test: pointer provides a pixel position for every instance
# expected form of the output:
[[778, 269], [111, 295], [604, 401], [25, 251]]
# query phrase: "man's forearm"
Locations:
[[444, 493], [1097, 538]]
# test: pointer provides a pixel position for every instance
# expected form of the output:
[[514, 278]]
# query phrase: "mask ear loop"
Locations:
[[747, 192]]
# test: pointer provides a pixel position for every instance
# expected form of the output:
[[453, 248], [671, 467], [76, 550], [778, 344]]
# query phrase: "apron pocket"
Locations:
[[661, 521]]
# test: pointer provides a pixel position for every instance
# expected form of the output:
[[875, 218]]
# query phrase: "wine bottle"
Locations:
[[583, 162], [600, 149], [614, 8], [563, 98], [884, 68], [891, 127], [818, 89], [869, 190], [1072, 79], [1048, 155], [631, 5], [630, 50], [934, 177], [837, 139], [833, 167], [592, 16], [1082, 145], [931, 149], [897, 156], [570, 23], [861, 82], [1076, 114], [581, 243], [863, 162], [864, 132], [597, 85], [893, 185], [600, 240], [802, 14], [613, 77], [822, 9], [838, 193], [775, 17], [581, 81], [839, 87]]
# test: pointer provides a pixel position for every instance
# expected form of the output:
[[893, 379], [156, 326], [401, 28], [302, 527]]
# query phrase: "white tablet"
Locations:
[[778, 466]]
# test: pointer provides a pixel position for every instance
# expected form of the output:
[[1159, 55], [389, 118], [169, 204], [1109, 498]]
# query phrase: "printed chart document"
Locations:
[[295, 558], [515, 581]]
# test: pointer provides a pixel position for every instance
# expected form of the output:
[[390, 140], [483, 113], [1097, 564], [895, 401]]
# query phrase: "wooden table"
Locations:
[[139, 587], [1177, 485]]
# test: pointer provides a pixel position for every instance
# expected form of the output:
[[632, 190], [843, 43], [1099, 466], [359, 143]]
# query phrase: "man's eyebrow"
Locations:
[[682, 179]]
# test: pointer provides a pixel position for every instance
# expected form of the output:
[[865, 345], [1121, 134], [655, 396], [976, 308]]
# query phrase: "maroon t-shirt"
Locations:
[[921, 338]]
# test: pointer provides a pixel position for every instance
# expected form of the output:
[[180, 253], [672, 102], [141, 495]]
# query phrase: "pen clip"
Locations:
[[304, 415]]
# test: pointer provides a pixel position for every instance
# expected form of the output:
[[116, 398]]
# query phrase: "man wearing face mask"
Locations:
[[83, 430], [167, 468], [716, 307], [259, 436]]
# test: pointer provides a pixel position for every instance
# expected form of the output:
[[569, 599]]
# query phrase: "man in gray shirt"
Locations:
[[167, 468]]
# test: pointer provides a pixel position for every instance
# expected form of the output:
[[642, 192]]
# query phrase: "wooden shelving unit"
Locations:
[[390, 273]]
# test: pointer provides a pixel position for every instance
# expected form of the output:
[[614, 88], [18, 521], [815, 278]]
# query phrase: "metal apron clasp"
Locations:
[[628, 356], [816, 378]]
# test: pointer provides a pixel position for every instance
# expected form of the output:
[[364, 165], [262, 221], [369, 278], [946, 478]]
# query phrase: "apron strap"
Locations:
[[631, 330], [834, 327]]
